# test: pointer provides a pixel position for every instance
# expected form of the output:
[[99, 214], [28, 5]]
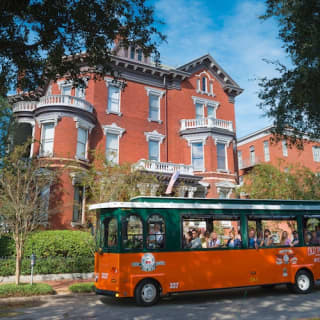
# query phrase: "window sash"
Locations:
[[284, 148], [316, 153], [240, 158], [221, 156], [266, 150], [252, 155], [211, 112], [66, 90], [113, 98], [154, 107], [153, 150], [199, 111], [112, 148], [47, 138], [197, 156]]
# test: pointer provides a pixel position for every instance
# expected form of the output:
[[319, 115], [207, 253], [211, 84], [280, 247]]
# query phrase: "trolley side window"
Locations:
[[156, 232], [110, 232], [132, 232], [311, 234]]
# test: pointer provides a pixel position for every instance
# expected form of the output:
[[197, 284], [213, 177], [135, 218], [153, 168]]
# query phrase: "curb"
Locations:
[[11, 301]]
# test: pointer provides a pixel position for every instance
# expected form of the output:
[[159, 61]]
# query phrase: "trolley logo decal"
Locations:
[[314, 251], [286, 256], [148, 262]]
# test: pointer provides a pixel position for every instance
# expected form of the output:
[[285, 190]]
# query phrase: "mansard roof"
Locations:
[[221, 75]]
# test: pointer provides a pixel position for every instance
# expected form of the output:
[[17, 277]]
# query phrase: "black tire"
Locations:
[[303, 284], [147, 293]]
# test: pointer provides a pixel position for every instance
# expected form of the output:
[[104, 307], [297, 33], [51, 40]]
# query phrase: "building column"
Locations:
[[182, 191], [191, 191]]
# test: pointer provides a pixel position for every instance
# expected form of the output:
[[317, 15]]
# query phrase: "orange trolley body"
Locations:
[[123, 273]]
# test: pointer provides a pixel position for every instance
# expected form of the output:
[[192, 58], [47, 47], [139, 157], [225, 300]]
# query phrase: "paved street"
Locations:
[[254, 303]]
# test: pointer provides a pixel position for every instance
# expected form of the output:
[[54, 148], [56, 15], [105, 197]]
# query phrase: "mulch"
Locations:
[[61, 286]]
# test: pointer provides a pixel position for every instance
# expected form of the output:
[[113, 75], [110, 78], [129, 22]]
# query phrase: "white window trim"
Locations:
[[314, 152], [206, 103], [266, 154], [32, 124], [284, 148], [41, 139], [159, 94], [209, 84], [85, 158], [226, 145], [155, 136], [65, 83], [158, 141], [119, 84], [116, 130], [203, 169]]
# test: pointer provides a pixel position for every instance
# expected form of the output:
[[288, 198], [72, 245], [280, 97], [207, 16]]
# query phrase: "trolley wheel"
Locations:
[[304, 282], [147, 292]]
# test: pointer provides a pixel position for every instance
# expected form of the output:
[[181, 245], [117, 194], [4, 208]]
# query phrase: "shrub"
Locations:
[[24, 290], [58, 251], [82, 287]]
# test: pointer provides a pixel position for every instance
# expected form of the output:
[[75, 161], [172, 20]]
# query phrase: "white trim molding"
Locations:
[[114, 129], [225, 186], [52, 118], [209, 83], [205, 102], [83, 124], [222, 139], [194, 138], [157, 92], [154, 135]]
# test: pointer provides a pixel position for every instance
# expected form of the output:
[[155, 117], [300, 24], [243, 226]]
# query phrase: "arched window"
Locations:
[[204, 84], [110, 232], [156, 232], [132, 232]]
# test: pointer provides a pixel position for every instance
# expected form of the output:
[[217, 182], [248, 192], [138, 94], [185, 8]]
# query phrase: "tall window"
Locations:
[[266, 150], [47, 139], [197, 156], [112, 148], [155, 232], [113, 99], [221, 156], [132, 53], [284, 148], [316, 153], [80, 92], [82, 143], [240, 159], [199, 111], [154, 107], [210, 112], [44, 206], [132, 232], [139, 54], [66, 90], [252, 155], [204, 84], [77, 203], [154, 150]]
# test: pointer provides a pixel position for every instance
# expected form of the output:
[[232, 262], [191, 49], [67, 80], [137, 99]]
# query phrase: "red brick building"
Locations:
[[164, 119], [258, 147]]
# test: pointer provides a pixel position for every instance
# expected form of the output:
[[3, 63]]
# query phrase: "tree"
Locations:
[[6, 126], [41, 40], [106, 181], [23, 202], [292, 99], [266, 181]]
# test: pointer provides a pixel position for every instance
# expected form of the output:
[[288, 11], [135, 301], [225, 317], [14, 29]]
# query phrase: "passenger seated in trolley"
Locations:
[[155, 238], [295, 240], [195, 242], [213, 242]]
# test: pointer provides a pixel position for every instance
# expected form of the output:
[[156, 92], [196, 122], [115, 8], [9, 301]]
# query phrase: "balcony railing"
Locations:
[[205, 123], [47, 101], [68, 101], [24, 106], [247, 163], [163, 167]]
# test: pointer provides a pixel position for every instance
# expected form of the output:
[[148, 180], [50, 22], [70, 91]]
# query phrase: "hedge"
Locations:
[[58, 251], [24, 290]]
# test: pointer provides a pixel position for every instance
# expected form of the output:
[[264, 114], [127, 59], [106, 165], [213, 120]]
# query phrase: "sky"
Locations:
[[231, 32]]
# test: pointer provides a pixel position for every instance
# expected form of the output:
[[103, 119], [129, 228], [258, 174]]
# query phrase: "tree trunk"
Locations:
[[18, 263]]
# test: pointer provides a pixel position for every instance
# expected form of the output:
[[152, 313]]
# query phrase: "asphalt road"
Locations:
[[253, 303]]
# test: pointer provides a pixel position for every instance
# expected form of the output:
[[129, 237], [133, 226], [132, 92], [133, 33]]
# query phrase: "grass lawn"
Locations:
[[24, 290], [82, 287]]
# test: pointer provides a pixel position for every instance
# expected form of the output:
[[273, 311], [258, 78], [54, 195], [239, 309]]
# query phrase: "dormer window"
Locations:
[[204, 84], [139, 55], [132, 52]]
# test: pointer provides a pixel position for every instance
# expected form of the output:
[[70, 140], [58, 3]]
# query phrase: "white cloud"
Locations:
[[238, 41]]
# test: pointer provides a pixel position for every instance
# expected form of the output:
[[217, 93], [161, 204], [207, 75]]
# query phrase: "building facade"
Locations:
[[160, 119], [259, 147]]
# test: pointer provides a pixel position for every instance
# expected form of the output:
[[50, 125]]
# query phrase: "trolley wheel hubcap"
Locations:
[[303, 282], [149, 292]]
